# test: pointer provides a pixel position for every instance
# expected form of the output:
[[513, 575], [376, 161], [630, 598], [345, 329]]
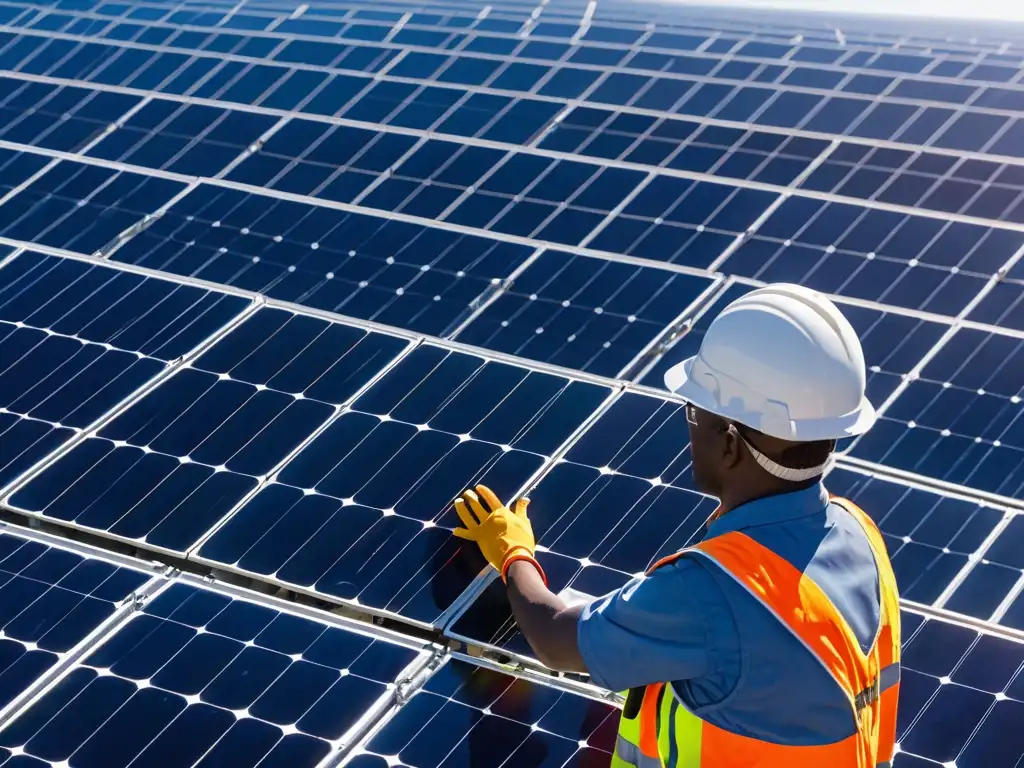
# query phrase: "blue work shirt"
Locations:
[[691, 624]]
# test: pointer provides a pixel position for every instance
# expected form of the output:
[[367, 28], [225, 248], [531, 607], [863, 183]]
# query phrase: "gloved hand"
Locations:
[[503, 536]]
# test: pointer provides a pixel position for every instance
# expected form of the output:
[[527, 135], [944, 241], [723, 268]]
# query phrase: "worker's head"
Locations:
[[779, 378]]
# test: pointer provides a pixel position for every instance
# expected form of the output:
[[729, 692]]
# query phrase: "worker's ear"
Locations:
[[731, 453]]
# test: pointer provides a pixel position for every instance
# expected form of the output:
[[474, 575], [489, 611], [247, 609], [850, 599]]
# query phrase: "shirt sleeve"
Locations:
[[656, 628]]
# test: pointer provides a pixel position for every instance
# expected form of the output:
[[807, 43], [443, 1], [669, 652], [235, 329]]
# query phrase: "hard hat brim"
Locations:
[[677, 380]]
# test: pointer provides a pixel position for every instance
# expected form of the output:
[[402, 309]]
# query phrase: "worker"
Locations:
[[775, 641]]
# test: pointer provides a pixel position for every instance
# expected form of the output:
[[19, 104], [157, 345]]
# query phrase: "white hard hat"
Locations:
[[784, 361]]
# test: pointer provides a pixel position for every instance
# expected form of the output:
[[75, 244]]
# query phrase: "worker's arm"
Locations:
[[547, 622], [672, 625]]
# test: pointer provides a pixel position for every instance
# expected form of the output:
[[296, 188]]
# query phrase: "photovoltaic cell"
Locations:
[[730, 153], [622, 499], [961, 694], [961, 420], [173, 464], [364, 513], [51, 599], [79, 207], [583, 313], [193, 139], [891, 258], [407, 275], [998, 578], [467, 715], [682, 221], [923, 180], [199, 678], [77, 339], [59, 117]]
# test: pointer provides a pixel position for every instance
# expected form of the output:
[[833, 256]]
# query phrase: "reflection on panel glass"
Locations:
[[200, 679], [171, 466], [52, 600], [364, 512], [78, 207], [472, 717]]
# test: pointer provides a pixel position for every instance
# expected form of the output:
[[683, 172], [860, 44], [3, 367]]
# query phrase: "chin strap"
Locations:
[[775, 469]]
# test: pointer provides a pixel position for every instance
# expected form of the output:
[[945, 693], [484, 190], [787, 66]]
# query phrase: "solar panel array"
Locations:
[[278, 280]]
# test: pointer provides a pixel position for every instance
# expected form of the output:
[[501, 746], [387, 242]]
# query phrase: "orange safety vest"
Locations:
[[663, 727]]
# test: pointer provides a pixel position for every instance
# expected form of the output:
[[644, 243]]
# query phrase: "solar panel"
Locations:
[[471, 715], [517, 191], [77, 339], [594, 315], [171, 466], [54, 601], [413, 276], [961, 419], [202, 677], [363, 513], [961, 691]]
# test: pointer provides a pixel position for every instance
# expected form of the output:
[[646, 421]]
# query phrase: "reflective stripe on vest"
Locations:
[[663, 732]]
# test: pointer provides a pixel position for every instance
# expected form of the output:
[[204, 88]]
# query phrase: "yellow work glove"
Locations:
[[503, 536]]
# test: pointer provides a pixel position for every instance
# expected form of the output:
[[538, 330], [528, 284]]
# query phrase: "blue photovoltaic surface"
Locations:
[[962, 419], [863, 253], [400, 163], [81, 207], [402, 274], [468, 715], [77, 339], [170, 467], [364, 512], [583, 313], [961, 697], [201, 679], [51, 599]]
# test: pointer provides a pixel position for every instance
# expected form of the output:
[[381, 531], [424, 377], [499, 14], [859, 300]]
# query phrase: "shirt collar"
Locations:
[[772, 509]]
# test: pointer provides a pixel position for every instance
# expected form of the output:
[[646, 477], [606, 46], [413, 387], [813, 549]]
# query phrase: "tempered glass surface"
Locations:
[[682, 221], [61, 117], [470, 716], [893, 344], [193, 139], [622, 499], [51, 600], [583, 313], [891, 258], [364, 512], [77, 339], [200, 679], [170, 467], [79, 207], [961, 696], [407, 275], [962, 419]]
